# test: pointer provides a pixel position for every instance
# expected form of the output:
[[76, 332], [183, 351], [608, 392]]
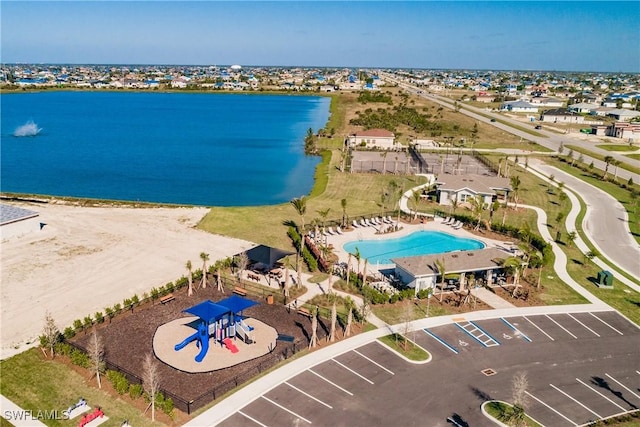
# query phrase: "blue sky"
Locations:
[[520, 35]]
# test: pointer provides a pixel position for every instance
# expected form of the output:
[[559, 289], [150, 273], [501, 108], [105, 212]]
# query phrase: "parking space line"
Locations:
[[518, 332], [352, 371], [252, 419], [308, 395], [538, 328], [373, 361], [588, 386], [577, 401], [440, 340], [584, 326], [562, 327], [606, 323], [286, 409], [490, 342], [330, 382], [553, 409], [622, 385]]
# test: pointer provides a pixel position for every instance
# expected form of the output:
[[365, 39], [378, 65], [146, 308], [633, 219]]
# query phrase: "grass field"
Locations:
[[633, 156], [598, 156], [618, 147], [37, 384]]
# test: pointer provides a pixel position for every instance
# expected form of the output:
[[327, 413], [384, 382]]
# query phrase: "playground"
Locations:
[[223, 337], [158, 328]]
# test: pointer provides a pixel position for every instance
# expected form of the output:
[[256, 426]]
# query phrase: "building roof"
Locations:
[[376, 132], [560, 112], [9, 214], [476, 183], [455, 262]]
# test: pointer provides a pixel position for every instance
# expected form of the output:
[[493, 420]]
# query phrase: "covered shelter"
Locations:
[[266, 255], [421, 272], [15, 221]]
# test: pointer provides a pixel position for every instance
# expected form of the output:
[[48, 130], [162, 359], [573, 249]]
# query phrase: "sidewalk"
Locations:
[[491, 299], [17, 416]]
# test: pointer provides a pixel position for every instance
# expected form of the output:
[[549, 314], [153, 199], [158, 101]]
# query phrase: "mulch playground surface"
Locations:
[[128, 339]]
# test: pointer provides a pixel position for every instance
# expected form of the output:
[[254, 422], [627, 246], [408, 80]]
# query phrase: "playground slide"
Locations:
[[244, 331], [204, 348], [186, 341]]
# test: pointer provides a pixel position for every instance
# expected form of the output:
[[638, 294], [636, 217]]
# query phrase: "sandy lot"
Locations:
[[88, 258]]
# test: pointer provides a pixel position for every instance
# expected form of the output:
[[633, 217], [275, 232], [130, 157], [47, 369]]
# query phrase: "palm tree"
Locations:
[[442, 270], [189, 278], [343, 203], [416, 200], [314, 327], [300, 205], [607, 161], [204, 257], [616, 163], [571, 237], [334, 314], [512, 266], [454, 204], [515, 187], [477, 206], [323, 214], [349, 305], [384, 161], [364, 272]]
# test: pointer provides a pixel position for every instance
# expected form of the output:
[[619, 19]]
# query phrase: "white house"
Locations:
[[421, 272], [373, 138], [519, 107], [463, 188], [582, 107], [623, 115], [16, 221]]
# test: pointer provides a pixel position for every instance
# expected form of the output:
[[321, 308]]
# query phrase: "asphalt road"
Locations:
[[580, 367], [605, 222]]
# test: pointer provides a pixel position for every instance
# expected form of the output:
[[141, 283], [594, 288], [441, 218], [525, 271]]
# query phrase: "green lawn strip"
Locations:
[[599, 156], [406, 347], [620, 194], [5, 423], [394, 314], [618, 147], [500, 411], [46, 385], [633, 156]]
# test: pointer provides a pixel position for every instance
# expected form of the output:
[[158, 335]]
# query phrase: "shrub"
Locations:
[[99, 317], [63, 348], [135, 390], [170, 287], [145, 296], [155, 294], [79, 358], [182, 282], [135, 300], [77, 325], [127, 303], [88, 321], [162, 291], [69, 332], [117, 308], [119, 381]]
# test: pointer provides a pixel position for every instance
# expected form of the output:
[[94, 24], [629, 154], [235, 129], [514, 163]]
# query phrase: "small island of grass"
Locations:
[[504, 412], [406, 347]]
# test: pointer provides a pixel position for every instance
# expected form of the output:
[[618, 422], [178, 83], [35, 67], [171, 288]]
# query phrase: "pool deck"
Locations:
[[369, 233]]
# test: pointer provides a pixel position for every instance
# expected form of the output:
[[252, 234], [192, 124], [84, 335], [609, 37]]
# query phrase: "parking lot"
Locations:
[[580, 366]]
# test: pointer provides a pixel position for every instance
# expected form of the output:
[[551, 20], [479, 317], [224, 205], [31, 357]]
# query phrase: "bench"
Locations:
[[165, 299], [240, 291], [304, 312]]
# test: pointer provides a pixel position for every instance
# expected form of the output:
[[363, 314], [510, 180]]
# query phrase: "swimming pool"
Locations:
[[418, 243]]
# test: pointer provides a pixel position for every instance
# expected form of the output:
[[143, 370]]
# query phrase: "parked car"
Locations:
[[493, 120], [538, 127]]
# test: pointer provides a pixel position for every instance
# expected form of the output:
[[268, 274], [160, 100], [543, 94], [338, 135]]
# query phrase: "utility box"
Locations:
[[605, 279]]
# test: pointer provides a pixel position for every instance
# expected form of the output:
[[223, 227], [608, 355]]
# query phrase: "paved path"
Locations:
[[18, 416], [606, 222], [491, 299]]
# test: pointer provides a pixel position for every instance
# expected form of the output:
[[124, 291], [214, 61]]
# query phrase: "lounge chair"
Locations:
[[355, 224], [380, 221], [363, 223], [338, 230], [374, 221], [447, 220], [330, 231], [457, 225], [325, 232], [389, 220]]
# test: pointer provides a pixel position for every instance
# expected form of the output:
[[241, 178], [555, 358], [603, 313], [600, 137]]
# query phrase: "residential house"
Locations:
[[561, 115], [519, 106], [623, 115]]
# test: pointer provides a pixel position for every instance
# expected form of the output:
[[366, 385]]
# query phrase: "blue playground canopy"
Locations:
[[237, 304], [211, 312]]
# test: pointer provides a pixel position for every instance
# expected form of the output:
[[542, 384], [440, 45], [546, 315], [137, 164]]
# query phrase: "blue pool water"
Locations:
[[201, 149], [418, 243]]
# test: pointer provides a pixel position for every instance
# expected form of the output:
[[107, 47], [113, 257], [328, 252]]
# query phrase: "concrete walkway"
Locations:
[[20, 417], [491, 299]]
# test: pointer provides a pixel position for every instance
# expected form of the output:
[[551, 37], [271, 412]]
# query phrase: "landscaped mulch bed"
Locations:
[[128, 339]]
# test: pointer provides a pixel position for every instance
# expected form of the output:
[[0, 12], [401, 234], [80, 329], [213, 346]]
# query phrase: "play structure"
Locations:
[[223, 321]]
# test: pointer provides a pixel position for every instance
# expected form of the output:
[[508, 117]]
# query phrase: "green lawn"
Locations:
[[405, 347], [500, 412], [633, 156], [618, 147], [37, 384], [599, 156]]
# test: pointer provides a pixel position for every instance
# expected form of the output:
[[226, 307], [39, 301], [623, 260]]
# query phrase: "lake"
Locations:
[[197, 149]]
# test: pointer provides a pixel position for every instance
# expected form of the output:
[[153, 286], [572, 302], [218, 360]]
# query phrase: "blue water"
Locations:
[[201, 149], [414, 244]]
